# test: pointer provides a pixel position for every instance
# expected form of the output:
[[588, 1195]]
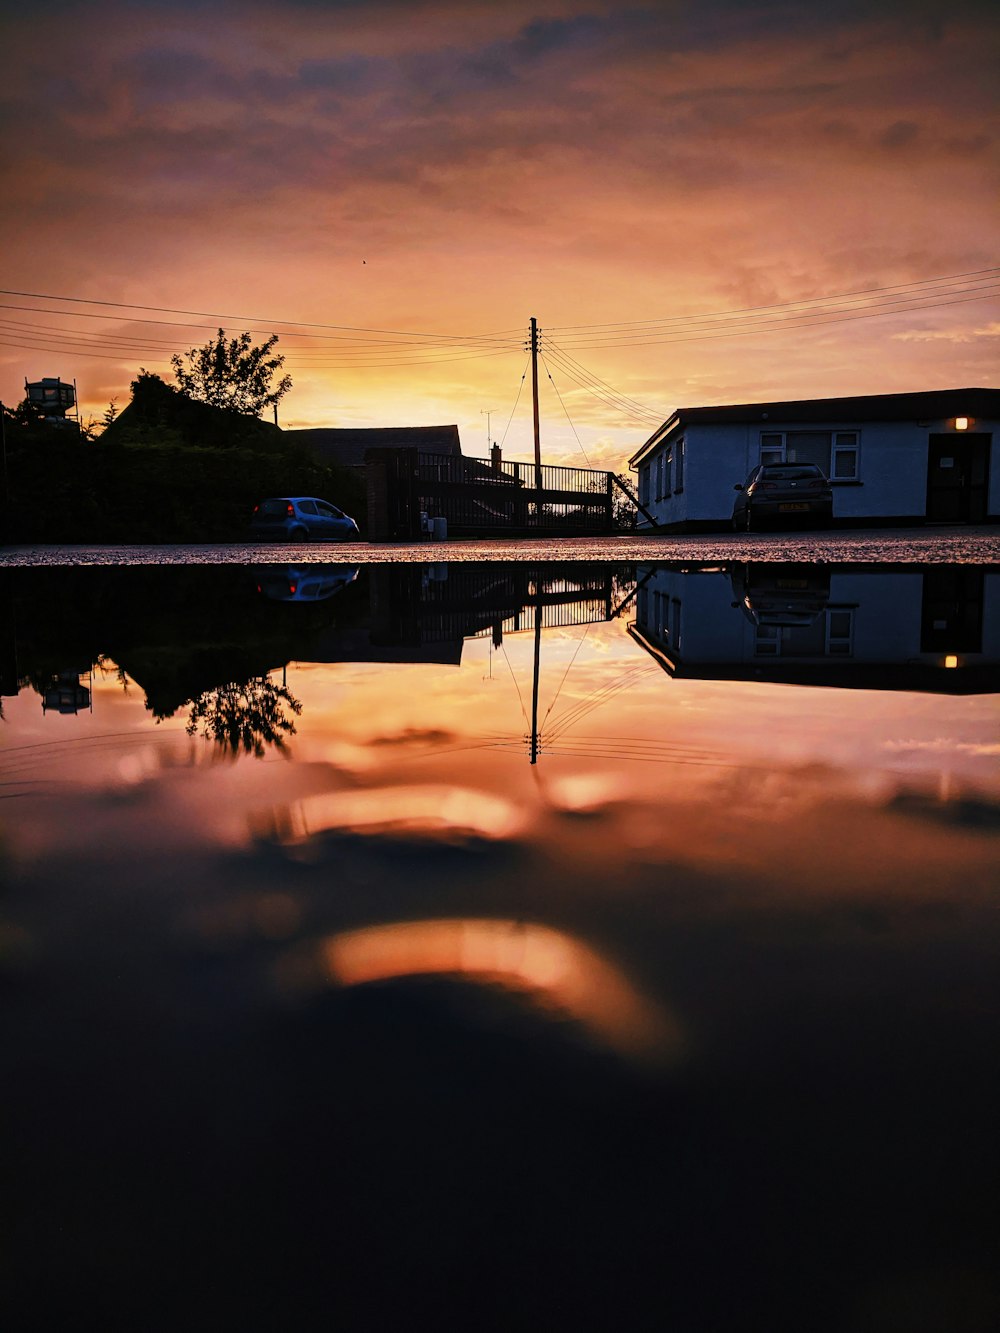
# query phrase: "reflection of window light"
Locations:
[[951, 660], [961, 423]]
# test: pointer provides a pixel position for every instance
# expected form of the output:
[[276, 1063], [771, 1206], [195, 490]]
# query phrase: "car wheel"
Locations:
[[297, 535]]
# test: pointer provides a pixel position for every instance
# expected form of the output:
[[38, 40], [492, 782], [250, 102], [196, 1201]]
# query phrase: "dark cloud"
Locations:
[[900, 134]]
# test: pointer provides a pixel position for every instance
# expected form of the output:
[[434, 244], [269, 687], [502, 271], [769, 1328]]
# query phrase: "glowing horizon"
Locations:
[[458, 174]]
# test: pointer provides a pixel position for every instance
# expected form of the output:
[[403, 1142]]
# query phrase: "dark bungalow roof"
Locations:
[[928, 404], [347, 447]]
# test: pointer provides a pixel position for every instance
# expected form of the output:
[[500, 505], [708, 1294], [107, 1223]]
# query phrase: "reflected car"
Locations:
[[310, 583], [783, 492], [790, 596], [292, 518]]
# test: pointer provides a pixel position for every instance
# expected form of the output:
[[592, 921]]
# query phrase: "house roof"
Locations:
[[347, 447], [929, 404]]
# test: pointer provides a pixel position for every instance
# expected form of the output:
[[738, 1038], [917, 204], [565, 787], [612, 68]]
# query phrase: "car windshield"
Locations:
[[789, 472]]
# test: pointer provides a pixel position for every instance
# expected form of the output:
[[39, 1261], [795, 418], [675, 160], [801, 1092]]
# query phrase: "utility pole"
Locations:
[[534, 405]]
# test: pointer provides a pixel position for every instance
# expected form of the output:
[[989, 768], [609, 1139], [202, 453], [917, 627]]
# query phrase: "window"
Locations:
[[644, 484], [837, 453], [668, 463], [839, 632], [306, 507], [772, 448], [679, 465], [845, 456], [808, 446], [830, 634], [662, 603]]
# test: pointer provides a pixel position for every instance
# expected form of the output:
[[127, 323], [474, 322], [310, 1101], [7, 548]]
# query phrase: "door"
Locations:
[[957, 476], [952, 609]]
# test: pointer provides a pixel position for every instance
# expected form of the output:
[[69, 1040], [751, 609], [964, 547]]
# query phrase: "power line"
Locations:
[[798, 320], [783, 305], [517, 399], [589, 375], [601, 391], [563, 406], [244, 319], [66, 346], [370, 346]]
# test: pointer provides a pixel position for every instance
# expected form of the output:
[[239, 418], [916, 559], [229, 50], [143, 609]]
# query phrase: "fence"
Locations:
[[482, 496], [425, 604]]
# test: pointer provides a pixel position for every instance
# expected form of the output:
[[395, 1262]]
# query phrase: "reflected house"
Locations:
[[933, 628], [66, 693], [901, 458]]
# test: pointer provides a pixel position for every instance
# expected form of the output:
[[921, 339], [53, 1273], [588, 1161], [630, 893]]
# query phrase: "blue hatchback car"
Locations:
[[299, 518]]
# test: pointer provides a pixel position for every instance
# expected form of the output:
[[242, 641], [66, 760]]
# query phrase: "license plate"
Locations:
[[786, 509]]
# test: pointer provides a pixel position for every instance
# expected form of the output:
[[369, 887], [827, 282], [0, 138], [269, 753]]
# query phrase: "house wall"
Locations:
[[892, 480]]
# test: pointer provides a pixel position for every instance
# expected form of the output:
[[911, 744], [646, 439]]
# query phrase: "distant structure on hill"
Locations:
[[54, 399], [347, 447]]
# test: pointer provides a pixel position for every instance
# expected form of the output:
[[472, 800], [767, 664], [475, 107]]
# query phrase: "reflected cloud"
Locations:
[[556, 970], [431, 810]]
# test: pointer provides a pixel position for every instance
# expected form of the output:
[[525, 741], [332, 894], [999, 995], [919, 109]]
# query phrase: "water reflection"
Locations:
[[557, 971], [933, 628], [210, 639], [695, 1018], [245, 716]]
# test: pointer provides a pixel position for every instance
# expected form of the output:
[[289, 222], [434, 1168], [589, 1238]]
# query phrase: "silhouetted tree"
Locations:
[[245, 716], [623, 512], [233, 373]]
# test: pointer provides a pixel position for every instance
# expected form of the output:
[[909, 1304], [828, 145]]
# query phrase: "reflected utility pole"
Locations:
[[537, 672]]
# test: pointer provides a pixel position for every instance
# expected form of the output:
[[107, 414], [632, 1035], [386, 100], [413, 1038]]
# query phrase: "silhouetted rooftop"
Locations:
[[346, 447]]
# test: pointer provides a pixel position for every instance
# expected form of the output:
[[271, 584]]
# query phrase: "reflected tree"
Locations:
[[245, 717]]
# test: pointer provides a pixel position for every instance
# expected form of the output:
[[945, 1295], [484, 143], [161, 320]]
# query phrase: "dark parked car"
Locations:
[[785, 492], [301, 518]]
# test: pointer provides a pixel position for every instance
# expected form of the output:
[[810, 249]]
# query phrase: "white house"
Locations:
[[894, 458]]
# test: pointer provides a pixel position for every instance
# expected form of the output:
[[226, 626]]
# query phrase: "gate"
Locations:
[[482, 497]]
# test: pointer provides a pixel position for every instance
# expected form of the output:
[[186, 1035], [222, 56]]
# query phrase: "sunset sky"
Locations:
[[450, 169]]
